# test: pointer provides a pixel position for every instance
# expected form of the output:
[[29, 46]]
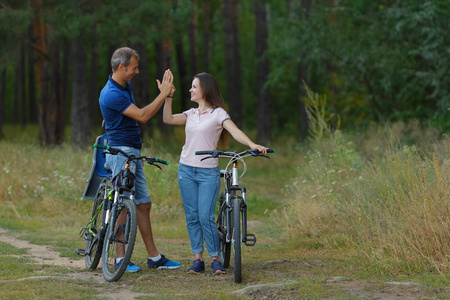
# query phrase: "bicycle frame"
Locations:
[[107, 199]]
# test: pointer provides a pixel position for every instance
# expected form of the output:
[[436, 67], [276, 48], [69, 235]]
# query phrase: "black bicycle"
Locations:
[[114, 234], [232, 205]]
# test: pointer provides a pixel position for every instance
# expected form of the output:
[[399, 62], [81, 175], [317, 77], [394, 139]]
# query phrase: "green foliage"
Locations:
[[376, 61], [15, 17]]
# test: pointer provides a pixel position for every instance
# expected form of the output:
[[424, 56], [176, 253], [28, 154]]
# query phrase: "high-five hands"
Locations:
[[166, 86]]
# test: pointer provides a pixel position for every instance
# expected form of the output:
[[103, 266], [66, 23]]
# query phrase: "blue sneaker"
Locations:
[[217, 267], [130, 268], [197, 267], [162, 263]]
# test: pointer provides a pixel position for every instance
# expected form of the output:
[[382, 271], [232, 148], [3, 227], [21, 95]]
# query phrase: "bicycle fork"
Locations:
[[247, 238]]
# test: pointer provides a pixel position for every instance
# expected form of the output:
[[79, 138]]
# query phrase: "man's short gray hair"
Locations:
[[122, 56]]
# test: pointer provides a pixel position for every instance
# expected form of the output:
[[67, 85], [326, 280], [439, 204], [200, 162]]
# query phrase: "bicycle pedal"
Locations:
[[81, 252], [250, 239]]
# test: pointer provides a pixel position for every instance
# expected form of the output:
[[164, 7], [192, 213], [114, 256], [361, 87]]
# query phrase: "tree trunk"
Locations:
[[163, 62], [39, 33], [303, 122], [232, 61], [66, 56], [183, 72], [44, 134], [264, 135], [141, 82], [58, 101], [93, 95], [2, 99], [206, 35], [51, 105], [22, 87], [15, 107], [185, 79], [193, 53], [51, 117], [79, 114], [32, 105]]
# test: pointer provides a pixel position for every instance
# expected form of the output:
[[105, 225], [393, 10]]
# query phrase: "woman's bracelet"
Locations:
[[170, 96]]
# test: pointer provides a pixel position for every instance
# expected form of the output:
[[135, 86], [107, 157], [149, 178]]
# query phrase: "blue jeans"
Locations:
[[199, 189], [117, 163]]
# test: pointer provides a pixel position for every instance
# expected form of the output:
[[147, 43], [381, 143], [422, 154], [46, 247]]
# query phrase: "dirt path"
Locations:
[[44, 255]]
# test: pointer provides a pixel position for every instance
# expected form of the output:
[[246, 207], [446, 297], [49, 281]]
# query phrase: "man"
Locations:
[[121, 115]]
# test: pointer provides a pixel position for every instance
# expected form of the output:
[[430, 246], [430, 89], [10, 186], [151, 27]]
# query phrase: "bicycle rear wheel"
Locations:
[[236, 240], [119, 240], [225, 247], [94, 235]]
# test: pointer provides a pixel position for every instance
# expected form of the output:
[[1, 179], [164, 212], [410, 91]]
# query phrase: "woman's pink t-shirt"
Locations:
[[202, 133]]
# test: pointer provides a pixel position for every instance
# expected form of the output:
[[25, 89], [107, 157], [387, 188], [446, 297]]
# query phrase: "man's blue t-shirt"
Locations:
[[122, 130]]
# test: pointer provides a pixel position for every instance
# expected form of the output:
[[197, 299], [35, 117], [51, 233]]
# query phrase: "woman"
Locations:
[[199, 181]]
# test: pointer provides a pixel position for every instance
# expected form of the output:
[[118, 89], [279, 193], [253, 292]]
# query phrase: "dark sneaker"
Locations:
[[130, 268], [217, 267], [163, 263], [197, 267]]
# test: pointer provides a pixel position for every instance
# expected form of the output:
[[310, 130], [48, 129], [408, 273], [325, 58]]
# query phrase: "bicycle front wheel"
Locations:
[[225, 247], [94, 235], [119, 240], [236, 240]]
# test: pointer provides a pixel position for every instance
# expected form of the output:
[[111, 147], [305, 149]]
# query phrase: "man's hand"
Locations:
[[166, 86]]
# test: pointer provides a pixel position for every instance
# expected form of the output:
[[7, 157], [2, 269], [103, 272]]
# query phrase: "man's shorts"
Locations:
[[117, 163]]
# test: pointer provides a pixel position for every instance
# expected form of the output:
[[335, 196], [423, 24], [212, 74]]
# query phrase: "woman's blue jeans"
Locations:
[[199, 189]]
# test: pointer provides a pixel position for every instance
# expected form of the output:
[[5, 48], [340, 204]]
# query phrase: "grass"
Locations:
[[393, 208], [371, 207]]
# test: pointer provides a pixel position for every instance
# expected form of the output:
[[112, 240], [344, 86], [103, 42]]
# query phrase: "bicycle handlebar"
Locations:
[[218, 153], [115, 151]]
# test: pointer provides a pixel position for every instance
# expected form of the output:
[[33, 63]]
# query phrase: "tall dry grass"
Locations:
[[390, 203], [48, 182]]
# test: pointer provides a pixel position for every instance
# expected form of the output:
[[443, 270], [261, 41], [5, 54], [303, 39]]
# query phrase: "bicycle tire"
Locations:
[[94, 234], [114, 243], [225, 247], [236, 240]]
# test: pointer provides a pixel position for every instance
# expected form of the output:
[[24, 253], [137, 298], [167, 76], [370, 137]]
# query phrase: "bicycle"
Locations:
[[232, 206], [117, 233]]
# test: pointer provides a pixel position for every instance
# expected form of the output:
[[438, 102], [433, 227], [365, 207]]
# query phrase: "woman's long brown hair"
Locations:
[[212, 95]]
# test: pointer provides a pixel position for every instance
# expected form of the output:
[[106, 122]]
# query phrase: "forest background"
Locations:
[[376, 61]]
